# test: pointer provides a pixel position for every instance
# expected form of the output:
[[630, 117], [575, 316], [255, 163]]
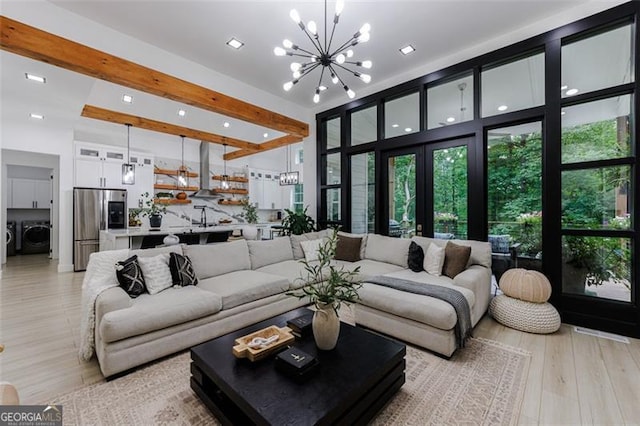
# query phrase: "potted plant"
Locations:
[[153, 210], [297, 223], [328, 286], [250, 214]]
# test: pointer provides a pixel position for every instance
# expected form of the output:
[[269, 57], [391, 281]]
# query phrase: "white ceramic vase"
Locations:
[[250, 232], [326, 327]]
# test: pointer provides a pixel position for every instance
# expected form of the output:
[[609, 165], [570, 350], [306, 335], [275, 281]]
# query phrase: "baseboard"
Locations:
[[65, 268]]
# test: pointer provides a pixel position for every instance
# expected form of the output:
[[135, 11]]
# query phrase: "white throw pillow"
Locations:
[[310, 249], [156, 272], [433, 260]]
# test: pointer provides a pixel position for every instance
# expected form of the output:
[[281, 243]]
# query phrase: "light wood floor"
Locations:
[[573, 378]]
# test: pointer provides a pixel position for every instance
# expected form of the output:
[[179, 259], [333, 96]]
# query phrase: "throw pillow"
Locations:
[[130, 276], [310, 249], [416, 257], [157, 275], [348, 248], [434, 259], [182, 272], [455, 259]]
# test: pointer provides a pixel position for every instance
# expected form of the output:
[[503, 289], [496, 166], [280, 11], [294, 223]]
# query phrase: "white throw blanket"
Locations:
[[100, 275]]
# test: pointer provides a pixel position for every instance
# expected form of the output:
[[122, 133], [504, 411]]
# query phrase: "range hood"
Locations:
[[205, 191]]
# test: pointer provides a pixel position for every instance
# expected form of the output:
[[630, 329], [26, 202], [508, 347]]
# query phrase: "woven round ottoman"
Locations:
[[539, 318]]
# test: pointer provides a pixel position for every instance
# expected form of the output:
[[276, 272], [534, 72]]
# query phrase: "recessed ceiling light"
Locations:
[[182, 112], [35, 78], [265, 135], [565, 87], [128, 99], [571, 92], [408, 129], [451, 119], [502, 108], [407, 49], [226, 124], [36, 116], [235, 43], [395, 125]]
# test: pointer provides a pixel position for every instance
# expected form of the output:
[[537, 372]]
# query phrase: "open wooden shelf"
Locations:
[[173, 186], [171, 201], [171, 172], [240, 191], [231, 178], [230, 202]]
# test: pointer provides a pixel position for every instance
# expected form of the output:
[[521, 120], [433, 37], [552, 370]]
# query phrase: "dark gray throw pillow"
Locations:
[[348, 248], [130, 276], [416, 257], [182, 272], [455, 259]]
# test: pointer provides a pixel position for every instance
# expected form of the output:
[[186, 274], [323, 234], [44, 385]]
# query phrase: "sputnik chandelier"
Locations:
[[329, 61]]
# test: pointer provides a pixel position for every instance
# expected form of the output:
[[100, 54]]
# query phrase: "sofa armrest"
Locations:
[[476, 278], [112, 299]]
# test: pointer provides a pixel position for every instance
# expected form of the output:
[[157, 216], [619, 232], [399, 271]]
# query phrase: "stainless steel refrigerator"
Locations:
[[95, 210]]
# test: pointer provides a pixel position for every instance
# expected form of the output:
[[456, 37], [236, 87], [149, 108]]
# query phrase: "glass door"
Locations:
[[403, 193]]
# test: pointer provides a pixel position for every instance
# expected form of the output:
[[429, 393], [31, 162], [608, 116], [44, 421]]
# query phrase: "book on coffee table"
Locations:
[[301, 326], [295, 362]]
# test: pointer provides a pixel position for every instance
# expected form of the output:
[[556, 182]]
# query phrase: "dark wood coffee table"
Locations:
[[352, 383]]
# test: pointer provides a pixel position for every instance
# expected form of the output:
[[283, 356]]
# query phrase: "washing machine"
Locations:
[[11, 238], [35, 236]]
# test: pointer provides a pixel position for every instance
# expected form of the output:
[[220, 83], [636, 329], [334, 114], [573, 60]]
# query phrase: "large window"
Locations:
[[514, 187], [450, 102], [363, 195], [364, 125], [402, 115], [450, 183]]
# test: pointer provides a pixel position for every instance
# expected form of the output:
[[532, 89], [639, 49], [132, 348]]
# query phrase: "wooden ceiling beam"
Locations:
[[98, 113], [265, 146], [34, 43]]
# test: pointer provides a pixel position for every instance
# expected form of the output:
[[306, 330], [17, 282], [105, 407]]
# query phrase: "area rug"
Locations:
[[481, 384]]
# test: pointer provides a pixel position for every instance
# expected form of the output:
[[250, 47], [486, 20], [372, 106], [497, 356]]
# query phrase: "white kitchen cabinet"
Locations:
[[144, 178], [30, 194], [256, 188], [99, 166], [265, 189]]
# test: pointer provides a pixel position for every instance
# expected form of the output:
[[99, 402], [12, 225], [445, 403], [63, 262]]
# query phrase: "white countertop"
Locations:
[[142, 231]]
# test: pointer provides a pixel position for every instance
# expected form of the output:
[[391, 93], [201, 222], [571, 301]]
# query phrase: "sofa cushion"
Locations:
[[480, 250], [150, 252], [240, 287], [298, 253], [415, 259], [130, 276], [156, 272], [455, 259], [370, 268], [387, 249], [182, 272], [292, 270], [266, 252], [434, 260], [311, 249], [211, 260], [348, 248], [363, 243], [426, 278], [148, 312]]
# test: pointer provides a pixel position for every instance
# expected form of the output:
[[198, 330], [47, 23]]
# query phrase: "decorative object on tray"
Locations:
[[295, 363], [301, 326], [328, 286], [262, 343]]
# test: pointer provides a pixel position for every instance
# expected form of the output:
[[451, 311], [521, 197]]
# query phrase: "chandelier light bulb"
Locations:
[[296, 74], [339, 7], [334, 78], [279, 51], [287, 43], [351, 94], [322, 88], [365, 77], [365, 28], [364, 37], [316, 96], [349, 53], [287, 86], [366, 64], [295, 66], [313, 29], [295, 16], [340, 58]]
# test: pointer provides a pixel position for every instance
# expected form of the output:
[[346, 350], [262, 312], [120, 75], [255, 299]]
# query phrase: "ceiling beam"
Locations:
[[98, 113], [265, 146], [40, 45]]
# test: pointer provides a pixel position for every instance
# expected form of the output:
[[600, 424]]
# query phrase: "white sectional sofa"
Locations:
[[243, 282]]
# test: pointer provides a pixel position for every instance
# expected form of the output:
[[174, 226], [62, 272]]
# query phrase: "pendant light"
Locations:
[[128, 169], [289, 177], [183, 174], [225, 177]]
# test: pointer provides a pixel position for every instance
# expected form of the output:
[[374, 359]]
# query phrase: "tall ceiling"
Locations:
[[198, 30]]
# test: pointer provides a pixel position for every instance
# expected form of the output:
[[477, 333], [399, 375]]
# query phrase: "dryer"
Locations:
[[11, 238], [35, 236]]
